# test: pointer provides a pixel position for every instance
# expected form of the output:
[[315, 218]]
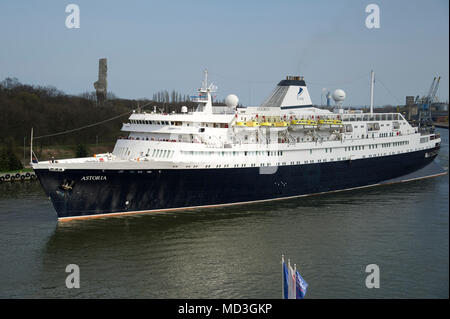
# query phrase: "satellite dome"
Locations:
[[231, 100], [338, 95]]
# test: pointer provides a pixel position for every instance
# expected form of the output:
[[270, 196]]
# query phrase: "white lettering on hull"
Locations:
[[93, 178]]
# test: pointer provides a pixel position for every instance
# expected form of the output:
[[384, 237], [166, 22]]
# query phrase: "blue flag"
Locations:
[[301, 286], [285, 281]]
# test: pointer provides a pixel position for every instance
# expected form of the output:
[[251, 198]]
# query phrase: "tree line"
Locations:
[[48, 110], [163, 96]]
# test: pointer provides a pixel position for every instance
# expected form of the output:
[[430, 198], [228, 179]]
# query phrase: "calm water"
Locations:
[[234, 252]]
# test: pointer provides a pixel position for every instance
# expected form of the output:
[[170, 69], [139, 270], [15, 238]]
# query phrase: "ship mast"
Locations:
[[205, 82], [205, 100], [372, 80]]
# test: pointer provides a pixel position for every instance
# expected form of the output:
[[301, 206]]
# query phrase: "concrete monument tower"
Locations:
[[101, 85]]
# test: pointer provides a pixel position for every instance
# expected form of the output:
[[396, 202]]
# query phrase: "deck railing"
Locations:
[[372, 117]]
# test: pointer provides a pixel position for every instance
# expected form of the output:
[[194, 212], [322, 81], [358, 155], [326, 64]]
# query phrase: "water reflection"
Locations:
[[212, 252]]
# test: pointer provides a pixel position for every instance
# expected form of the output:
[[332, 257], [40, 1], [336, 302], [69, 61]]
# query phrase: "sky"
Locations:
[[247, 46]]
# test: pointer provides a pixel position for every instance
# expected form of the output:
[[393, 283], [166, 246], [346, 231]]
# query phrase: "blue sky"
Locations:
[[247, 46]]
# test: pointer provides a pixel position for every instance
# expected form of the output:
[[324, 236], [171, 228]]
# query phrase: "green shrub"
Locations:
[[8, 159]]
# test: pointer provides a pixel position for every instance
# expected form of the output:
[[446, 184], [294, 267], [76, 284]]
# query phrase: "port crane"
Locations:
[[425, 102]]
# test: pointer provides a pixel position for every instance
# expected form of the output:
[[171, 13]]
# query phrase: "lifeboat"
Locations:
[[336, 123], [297, 125], [274, 127], [251, 126], [246, 126], [240, 126], [324, 123], [280, 126], [311, 124]]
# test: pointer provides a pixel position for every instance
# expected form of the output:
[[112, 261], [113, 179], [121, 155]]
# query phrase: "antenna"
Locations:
[[205, 81], [212, 87], [324, 90]]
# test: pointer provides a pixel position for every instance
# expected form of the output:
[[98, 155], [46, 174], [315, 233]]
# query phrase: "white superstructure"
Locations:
[[285, 130]]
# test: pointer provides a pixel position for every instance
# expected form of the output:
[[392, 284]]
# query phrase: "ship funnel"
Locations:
[[290, 93]]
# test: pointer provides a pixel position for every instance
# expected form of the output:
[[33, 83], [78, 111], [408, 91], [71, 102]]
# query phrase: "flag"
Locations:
[[285, 280], [291, 278], [301, 286], [294, 286]]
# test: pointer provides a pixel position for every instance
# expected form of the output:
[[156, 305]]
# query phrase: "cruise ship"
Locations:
[[227, 155]]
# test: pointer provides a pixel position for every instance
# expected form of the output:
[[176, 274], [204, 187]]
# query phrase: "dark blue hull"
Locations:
[[75, 194]]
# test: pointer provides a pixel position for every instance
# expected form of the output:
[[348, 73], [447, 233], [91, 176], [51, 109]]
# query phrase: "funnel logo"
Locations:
[[300, 91]]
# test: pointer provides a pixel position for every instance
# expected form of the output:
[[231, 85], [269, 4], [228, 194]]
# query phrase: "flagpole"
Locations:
[[282, 276], [31, 147], [289, 279], [295, 280]]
